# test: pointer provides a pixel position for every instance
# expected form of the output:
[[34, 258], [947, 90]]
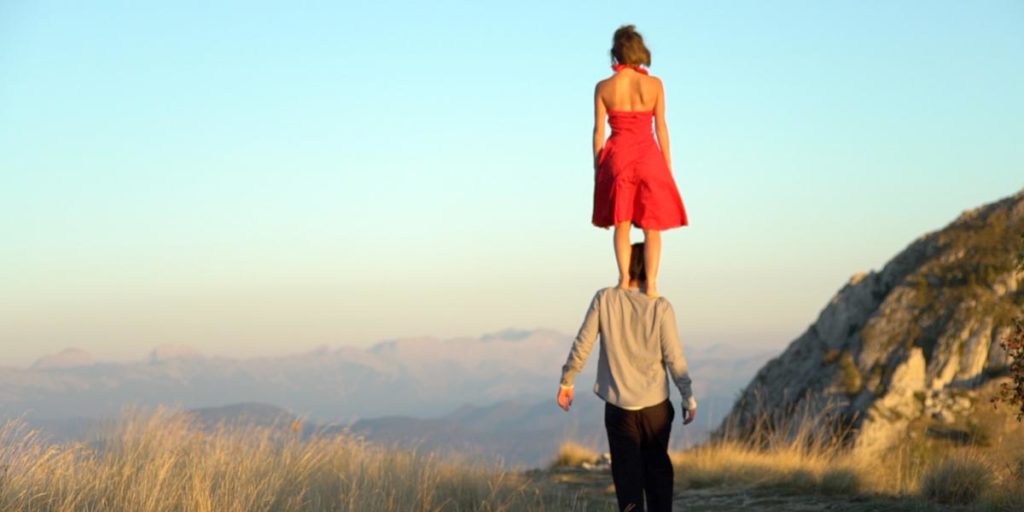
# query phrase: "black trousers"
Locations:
[[638, 441]]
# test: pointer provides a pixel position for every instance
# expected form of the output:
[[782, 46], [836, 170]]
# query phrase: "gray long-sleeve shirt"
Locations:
[[639, 339]]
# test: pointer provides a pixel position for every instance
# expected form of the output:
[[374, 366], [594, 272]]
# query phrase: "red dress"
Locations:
[[633, 181]]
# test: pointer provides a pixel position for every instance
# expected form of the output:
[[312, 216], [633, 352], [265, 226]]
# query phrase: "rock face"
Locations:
[[910, 340]]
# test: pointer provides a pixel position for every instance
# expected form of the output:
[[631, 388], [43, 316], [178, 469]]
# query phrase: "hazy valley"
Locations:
[[490, 397]]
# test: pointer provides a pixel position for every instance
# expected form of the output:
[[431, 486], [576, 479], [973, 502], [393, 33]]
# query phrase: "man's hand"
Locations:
[[564, 397], [689, 415]]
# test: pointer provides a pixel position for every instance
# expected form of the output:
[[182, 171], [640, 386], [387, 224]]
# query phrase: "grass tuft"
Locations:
[[960, 479], [571, 454]]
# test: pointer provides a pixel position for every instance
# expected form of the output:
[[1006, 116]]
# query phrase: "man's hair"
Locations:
[[637, 269]]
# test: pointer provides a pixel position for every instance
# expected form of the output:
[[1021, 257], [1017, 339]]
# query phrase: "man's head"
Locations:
[[637, 270]]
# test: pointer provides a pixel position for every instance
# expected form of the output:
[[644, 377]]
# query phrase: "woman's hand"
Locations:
[[564, 397]]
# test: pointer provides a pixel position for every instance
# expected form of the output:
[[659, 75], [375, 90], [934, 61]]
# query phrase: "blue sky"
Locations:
[[259, 178]]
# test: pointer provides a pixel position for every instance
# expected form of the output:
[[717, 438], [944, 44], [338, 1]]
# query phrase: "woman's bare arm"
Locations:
[[599, 118], [661, 125]]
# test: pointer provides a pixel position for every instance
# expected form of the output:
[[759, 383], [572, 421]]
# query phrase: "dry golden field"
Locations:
[[162, 461]]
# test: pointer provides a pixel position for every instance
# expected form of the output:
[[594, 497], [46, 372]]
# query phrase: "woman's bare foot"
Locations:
[[652, 291], [623, 252]]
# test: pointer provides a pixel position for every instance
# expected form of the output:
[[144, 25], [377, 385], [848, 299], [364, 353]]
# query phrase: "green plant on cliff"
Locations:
[[851, 377], [1012, 392], [1020, 253]]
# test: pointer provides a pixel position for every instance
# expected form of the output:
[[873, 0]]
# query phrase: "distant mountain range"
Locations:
[[491, 396]]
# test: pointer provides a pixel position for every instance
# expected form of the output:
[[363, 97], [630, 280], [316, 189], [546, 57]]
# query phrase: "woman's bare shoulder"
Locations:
[[651, 79]]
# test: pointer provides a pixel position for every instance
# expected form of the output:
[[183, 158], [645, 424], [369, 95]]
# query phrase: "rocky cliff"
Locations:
[[910, 341]]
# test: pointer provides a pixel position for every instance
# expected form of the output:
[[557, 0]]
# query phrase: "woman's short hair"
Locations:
[[637, 269], [628, 47]]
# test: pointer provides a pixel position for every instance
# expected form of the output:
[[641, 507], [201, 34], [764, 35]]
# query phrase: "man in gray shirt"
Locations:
[[639, 339]]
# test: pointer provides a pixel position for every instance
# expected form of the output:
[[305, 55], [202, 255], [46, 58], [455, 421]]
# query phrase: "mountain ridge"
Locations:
[[421, 377], [891, 344]]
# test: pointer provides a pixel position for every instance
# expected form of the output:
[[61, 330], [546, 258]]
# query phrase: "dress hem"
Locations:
[[636, 225]]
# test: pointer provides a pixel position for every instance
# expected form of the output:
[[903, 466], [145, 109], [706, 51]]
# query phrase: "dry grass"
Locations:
[[795, 455], [960, 479], [161, 461], [572, 454], [965, 476], [1008, 496], [789, 453], [790, 470]]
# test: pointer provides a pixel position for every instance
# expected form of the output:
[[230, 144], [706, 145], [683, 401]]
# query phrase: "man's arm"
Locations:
[[672, 355], [583, 344]]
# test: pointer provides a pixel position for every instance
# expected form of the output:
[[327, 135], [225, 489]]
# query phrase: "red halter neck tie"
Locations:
[[634, 67]]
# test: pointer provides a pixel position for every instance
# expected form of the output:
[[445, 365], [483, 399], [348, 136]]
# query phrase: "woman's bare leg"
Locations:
[[623, 250], [652, 258]]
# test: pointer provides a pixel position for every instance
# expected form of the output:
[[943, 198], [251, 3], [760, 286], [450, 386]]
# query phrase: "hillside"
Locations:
[[916, 342]]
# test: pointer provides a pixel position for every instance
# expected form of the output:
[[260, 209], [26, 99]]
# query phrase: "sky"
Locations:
[[260, 178]]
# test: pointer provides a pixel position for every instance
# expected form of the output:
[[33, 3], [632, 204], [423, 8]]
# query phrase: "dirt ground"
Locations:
[[595, 487]]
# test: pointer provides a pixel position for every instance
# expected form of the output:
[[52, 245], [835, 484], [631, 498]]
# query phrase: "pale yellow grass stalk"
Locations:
[[162, 462], [794, 470], [797, 451]]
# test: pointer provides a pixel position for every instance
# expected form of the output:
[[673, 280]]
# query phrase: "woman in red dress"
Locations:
[[633, 183]]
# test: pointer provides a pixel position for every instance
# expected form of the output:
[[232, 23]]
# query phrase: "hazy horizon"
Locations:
[[261, 180], [143, 352]]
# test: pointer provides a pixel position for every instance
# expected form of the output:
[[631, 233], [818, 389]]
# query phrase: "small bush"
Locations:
[[1012, 393], [572, 454], [830, 357], [957, 480]]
